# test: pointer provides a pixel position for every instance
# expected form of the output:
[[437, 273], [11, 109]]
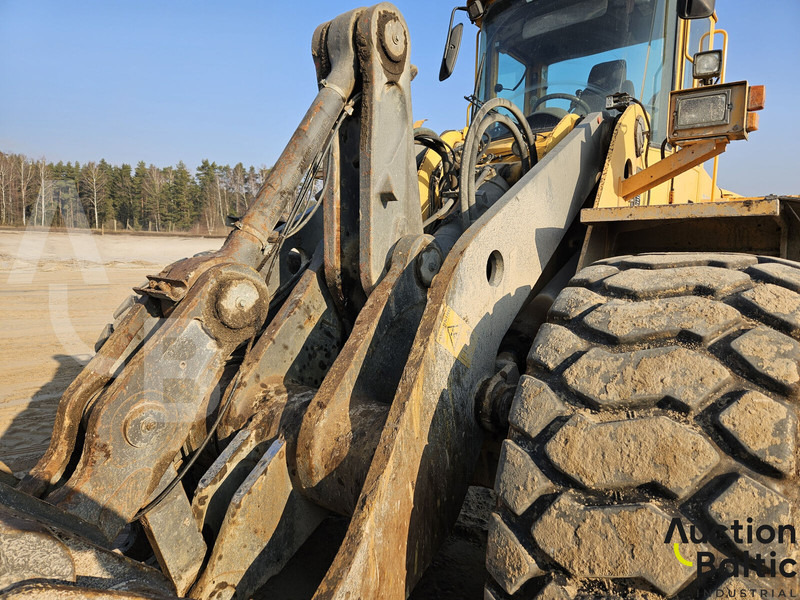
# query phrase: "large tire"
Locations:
[[662, 386]]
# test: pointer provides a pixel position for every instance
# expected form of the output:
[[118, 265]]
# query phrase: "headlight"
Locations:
[[702, 110]]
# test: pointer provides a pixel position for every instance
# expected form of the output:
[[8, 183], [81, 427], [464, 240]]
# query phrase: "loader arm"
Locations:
[[144, 416], [430, 443], [351, 385]]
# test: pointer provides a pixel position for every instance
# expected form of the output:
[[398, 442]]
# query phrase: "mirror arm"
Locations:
[[448, 65], [453, 15]]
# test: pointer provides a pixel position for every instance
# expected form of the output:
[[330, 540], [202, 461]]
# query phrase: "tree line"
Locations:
[[100, 195]]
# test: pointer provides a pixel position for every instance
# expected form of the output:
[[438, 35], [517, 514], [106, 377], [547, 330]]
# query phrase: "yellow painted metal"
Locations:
[[477, 66], [548, 141], [680, 62], [686, 54], [621, 158], [684, 159], [685, 58], [710, 36], [428, 203], [692, 185]]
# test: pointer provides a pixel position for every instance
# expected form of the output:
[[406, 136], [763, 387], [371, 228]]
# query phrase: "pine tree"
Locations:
[[208, 193], [138, 194], [122, 195], [74, 195], [180, 195]]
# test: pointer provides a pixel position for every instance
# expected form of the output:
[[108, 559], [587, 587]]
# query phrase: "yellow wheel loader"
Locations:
[[557, 301]]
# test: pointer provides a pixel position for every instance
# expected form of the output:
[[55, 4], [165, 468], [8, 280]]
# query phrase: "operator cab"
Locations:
[[554, 57]]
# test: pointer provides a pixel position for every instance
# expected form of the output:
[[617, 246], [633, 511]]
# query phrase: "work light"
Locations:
[[707, 65]]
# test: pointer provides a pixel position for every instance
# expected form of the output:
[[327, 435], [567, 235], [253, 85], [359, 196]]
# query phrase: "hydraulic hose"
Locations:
[[449, 180], [431, 140], [486, 116]]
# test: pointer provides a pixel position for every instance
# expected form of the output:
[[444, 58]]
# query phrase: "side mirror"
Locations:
[[451, 51], [695, 9]]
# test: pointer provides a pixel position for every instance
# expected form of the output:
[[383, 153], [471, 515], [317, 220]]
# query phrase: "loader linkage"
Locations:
[[241, 400]]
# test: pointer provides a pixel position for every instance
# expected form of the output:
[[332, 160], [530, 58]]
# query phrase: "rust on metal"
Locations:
[[174, 536], [728, 208], [77, 396], [732, 127], [342, 426], [266, 522], [63, 591], [752, 122], [26, 539], [174, 373], [389, 191], [278, 411], [380, 424], [296, 349]]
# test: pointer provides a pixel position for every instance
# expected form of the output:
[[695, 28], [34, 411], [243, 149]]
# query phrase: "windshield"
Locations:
[[551, 57]]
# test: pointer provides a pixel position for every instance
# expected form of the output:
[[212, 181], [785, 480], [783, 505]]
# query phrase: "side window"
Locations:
[[696, 30], [511, 76]]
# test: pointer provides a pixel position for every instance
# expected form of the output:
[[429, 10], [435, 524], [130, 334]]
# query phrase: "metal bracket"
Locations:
[[684, 159]]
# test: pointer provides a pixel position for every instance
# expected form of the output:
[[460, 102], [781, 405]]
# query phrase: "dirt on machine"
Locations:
[[556, 302]]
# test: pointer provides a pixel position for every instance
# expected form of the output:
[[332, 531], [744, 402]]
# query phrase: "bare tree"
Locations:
[[222, 192], [5, 182], [44, 187], [263, 173], [168, 174], [25, 178], [152, 188], [253, 185], [95, 179]]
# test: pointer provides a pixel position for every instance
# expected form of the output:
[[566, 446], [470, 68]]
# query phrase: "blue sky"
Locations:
[[179, 80]]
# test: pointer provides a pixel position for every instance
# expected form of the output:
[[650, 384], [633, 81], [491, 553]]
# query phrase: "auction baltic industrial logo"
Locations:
[[746, 565]]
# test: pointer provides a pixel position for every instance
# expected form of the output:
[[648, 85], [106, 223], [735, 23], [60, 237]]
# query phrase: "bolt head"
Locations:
[[144, 423], [237, 303], [394, 39], [429, 261]]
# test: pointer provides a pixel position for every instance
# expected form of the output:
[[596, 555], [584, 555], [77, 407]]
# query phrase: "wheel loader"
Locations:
[[556, 301]]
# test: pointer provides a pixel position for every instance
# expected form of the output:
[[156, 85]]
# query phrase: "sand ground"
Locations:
[[57, 292]]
